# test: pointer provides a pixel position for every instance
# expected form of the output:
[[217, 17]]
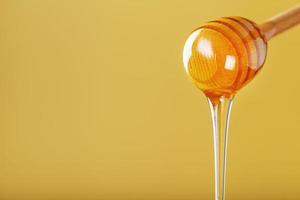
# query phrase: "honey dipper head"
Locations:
[[223, 55]]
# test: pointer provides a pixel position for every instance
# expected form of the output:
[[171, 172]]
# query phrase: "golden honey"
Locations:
[[224, 55]]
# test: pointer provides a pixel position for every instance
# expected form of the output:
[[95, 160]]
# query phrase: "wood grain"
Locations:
[[281, 22]]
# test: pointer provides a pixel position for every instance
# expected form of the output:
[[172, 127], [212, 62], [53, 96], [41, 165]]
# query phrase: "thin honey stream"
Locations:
[[220, 113]]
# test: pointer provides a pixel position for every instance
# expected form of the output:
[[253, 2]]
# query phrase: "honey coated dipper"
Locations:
[[223, 55]]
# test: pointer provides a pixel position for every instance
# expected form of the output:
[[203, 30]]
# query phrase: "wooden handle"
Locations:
[[281, 22]]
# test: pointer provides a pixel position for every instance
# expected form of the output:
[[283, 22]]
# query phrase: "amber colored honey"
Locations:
[[224, 55]]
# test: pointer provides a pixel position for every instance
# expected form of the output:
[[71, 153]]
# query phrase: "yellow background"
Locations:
[[95, 104]]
